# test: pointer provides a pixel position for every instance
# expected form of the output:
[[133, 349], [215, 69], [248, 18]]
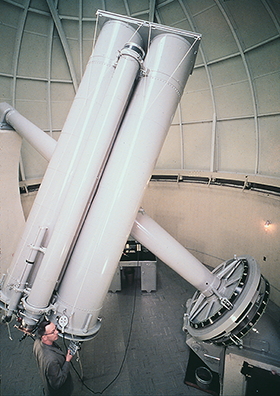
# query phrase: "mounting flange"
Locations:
[[234, 308]]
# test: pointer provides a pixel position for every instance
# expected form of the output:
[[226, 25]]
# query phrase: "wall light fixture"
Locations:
[[267, 224]]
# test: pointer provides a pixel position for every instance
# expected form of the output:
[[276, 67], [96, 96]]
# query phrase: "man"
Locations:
[[54, 367]]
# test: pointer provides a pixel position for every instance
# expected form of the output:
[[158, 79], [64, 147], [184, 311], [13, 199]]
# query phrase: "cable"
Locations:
[[124, 357], [9, 331]]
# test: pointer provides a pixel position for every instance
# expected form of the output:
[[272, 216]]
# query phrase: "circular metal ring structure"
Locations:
[[234, 307], [134, 50]]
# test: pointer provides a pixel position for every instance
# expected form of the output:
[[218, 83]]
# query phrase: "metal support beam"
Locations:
[[64, 42]]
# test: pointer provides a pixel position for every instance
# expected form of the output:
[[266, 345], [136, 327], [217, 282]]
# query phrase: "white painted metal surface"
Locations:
[[235, 306], [87, 175], [93, 187], [69, 150], [150, 234], [110, 219], [44, 144]]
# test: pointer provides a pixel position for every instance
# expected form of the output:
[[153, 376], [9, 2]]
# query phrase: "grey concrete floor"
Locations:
[[144, 328]]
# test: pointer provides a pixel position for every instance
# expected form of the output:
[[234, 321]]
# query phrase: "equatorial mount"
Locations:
[[233, 308]]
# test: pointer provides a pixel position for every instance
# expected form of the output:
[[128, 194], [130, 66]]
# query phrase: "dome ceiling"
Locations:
[[228, 120]]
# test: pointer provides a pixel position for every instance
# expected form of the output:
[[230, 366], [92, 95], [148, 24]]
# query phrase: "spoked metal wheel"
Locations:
[[234, 306]]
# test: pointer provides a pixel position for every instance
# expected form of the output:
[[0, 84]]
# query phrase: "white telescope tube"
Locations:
[[87, 174], [69, 149], [34, 251], [145, 230], [44, 144], [110, 219], [151, 235]]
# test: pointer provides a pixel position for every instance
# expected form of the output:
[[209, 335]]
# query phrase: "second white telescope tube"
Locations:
[[87, 173], [110, 219]]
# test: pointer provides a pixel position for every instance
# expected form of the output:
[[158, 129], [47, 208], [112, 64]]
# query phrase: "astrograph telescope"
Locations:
[[93, 188]]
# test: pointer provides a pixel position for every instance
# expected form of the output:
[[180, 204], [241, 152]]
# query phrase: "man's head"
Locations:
[[47, 332]]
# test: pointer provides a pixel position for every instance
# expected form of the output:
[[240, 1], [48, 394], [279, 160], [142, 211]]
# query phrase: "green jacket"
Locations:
[[53, 368]]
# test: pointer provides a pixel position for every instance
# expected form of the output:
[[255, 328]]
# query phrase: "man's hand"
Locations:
[[68, 356]]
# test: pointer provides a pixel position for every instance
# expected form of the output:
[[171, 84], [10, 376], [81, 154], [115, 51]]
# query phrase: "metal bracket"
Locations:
[[223, 300], [5, 126], [38, 248], [144, 72], [63, 321], [237, 341]]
